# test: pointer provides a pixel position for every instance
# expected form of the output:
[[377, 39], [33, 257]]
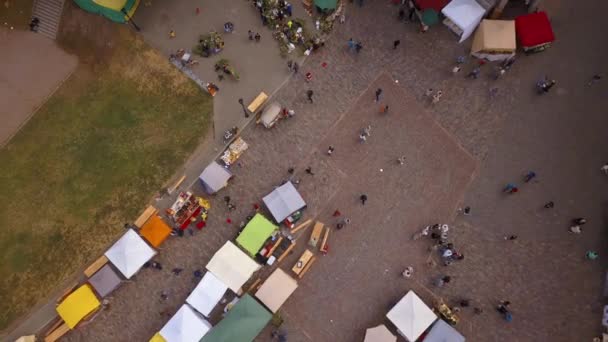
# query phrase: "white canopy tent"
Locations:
[[276, 290], [463, 16], [443, 332], [130, 253], [207, 294], [379, 334], [284, 201], [232, 266], [185, 326], [411, 316], [214, 177]]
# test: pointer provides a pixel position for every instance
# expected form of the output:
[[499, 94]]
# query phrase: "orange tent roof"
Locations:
[[155, 231]]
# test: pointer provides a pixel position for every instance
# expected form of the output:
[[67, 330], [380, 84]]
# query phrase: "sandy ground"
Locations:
[[555, 293], [31, 68]]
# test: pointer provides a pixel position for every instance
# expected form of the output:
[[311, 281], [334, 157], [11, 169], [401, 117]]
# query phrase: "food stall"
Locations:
[[105, 281], [214, 178], [276, 290], [534, 31], [207, 294], [379, 334], [441, 332], [130, 253], [271, 114], [411, 316], [494, 40], [78, 305], [234, 151], [243, 322], [155, 231], [232, 266], [462, 17], [185, 325], [186, 208], [257, 231], [285, 203]]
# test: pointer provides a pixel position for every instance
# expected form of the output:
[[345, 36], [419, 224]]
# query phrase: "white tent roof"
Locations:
[[466, 14], [130, 253], [443, 332], [379, 334], [284, 201], [207, 294], [232, 266], [411, 316], [214, 177], [185, 326], [276, 289]]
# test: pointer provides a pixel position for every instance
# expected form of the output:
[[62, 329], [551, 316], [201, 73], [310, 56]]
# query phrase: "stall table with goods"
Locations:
[[234, 151], [186, 208]]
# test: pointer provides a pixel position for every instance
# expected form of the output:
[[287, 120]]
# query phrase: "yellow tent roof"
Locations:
[[116, 5], [155, 231], [157, 338], [78, 305], [495, 36]]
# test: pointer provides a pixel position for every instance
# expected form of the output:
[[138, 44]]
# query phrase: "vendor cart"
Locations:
[[271, 114]]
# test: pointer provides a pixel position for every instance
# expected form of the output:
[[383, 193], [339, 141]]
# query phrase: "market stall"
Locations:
[[214, 178], [284, 201], [186, 208], [207, 294], [185, 326], [411, 316], [462, 17], [232, 266], [494, 40], [129, 253], [276, 290], [442, 332], [105, 281], [155, 231], [234, 151], [534, 31], [271, 114], [78, 305], [242, 323], [379, 334], [254, 235]]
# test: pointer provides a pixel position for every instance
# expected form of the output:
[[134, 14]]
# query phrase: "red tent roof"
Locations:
[[533, 29], [437, 5]]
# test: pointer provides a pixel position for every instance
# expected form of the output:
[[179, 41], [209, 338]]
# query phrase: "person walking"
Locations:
[[511, 237], [502, 308], [309, 94], [396, 43], [362, 138], [336, 213], [351, 44], [384, 109], [605, 169], [378, 94], [250, 34], [576, 229], [363, 198], [442, 281], [529, 176], [358, 47], [510, 189], [401, 160], [330, 150], [429, 92], [549, 205], [296, 68], [579, 221], [437, 96], [591, 255], [257, 37], [407, 273], [474, 74]]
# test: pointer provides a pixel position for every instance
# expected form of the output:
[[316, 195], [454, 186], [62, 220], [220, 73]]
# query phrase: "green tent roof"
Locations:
[[326, 4], [242, 323], [111, 9], [257, 231]]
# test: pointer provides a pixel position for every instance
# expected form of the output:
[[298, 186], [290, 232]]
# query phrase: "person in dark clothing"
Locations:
[[309, 94], [396, 43], [549, 205], [363, 198], [378, 93]]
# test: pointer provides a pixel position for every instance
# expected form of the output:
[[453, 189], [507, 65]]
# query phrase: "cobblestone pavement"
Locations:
[[555, 293]]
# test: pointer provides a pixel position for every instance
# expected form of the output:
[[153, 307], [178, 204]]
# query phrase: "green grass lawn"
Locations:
[[88, 162], [16, 13]]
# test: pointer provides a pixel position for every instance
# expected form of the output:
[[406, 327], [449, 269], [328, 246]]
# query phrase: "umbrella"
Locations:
[[430, 17], [326, 4]]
